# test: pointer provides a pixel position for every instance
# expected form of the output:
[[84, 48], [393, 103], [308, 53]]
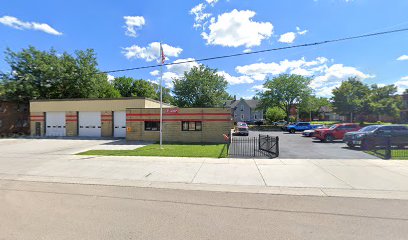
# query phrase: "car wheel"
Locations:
[[292, 131], [328, 138], [350, 144]]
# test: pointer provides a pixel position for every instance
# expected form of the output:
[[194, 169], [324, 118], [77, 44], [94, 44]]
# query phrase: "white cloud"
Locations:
[[403, 58], [258, 88], [151, 52], [110, 78], [288, 37], [133, 23], [326, 77], [402, 84], [200, 15], [21, 25], [176, 71], [248, 50], [155, 73], [235, 80], [182, 67], [259, 71], [211, 2], [236, 28], [301, 32]]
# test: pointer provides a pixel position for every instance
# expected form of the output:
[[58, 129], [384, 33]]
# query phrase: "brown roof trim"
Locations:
[[188, 108]]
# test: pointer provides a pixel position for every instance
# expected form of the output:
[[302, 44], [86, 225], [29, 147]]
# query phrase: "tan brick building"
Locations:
[[179, 124], [130, 118], [84, 117]]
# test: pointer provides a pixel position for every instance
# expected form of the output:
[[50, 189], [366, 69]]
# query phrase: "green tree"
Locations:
[[351, 97], [124, 85], [39, 74], [285, 91], [311, 105], [142, 88], [200, 87], [383, 101], [275, 114]]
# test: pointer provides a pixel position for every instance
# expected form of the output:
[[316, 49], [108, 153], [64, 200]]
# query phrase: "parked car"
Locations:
[[280, 123], [335, 132], [300, 127], [378, 135], [311, 132], [241, 129]]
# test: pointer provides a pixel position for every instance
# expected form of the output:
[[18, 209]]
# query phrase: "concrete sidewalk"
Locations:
[[349, 178]]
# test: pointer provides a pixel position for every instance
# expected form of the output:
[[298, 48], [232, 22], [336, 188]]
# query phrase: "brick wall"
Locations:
[[71, 123], [107, 123], [214, 121]]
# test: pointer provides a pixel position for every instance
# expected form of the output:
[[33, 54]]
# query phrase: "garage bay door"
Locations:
[[119, 125], [55, 124], [89, 124]]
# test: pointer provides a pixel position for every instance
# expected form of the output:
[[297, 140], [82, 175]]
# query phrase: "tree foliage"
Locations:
[[311, 105], [39, 74], [284, 91], [353, 97], [274, 114], [200, 87]]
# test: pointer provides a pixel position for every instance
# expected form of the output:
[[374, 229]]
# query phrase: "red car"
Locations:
[[336, 131]]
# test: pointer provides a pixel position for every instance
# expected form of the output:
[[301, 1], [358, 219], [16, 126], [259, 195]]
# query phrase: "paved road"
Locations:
[[64, 211], [295, 146]]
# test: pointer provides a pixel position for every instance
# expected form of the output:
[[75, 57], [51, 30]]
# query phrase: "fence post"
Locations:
[[277, 146], [388, 148], [254, 146]]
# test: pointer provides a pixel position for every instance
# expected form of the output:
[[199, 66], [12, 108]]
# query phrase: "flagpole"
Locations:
[[161, 97]]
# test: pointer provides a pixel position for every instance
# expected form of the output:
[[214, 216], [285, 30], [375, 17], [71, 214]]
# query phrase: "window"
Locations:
[[255, 116], [242, 116], [1, 123], [191, 126], [152, 126], [242, 107]]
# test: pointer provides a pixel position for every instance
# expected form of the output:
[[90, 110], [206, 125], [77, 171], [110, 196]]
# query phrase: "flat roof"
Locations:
[[96, 99]]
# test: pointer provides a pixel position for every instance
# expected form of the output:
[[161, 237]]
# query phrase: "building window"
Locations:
[[191, 126], [242, 117], [152, 126], [242, 107], [255, 116], [1, 123]]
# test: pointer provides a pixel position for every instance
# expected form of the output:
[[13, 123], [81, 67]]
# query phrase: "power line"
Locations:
[[263, 51]]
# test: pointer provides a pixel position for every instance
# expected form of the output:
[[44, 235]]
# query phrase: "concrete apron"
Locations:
[[326, 178]]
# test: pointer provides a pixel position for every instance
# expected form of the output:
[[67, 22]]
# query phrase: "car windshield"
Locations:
[[242, 124], [368, 129], [333, 127]]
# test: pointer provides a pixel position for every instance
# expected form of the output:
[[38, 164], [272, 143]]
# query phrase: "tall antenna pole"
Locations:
[[161, 97]]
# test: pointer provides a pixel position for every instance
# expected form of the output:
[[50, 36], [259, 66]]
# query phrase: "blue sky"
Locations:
[[125, 34]]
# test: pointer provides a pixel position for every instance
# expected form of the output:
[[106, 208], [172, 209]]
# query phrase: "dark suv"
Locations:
[[378, 135]]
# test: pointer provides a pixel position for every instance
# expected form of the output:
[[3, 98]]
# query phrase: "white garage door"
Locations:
[[55, 124], [89, 124], [119, 125]]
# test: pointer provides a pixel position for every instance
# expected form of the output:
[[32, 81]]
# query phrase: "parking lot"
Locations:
[[295, 146]]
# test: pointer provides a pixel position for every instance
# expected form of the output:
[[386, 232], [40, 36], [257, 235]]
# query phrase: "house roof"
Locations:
[[233, 103]]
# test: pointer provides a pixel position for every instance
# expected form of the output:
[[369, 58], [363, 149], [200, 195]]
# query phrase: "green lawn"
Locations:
[[169, 150], [395, 154]]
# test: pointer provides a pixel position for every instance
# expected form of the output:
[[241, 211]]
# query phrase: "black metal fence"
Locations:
[[262, 146], [269, 145], [388, 150]]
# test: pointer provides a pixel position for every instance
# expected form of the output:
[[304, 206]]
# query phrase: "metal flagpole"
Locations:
[[161, 96]]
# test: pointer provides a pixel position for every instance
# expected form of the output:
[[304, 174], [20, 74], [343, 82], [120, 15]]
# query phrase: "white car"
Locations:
[[310, 133]]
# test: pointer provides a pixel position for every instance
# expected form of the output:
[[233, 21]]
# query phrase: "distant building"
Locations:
[[13, 118], [326, 113], [245, 110]]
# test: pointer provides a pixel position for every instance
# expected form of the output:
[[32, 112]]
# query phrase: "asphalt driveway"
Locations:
[[295, 146]]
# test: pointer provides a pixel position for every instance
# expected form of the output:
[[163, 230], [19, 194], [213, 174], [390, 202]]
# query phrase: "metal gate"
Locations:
[[263, 146]]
